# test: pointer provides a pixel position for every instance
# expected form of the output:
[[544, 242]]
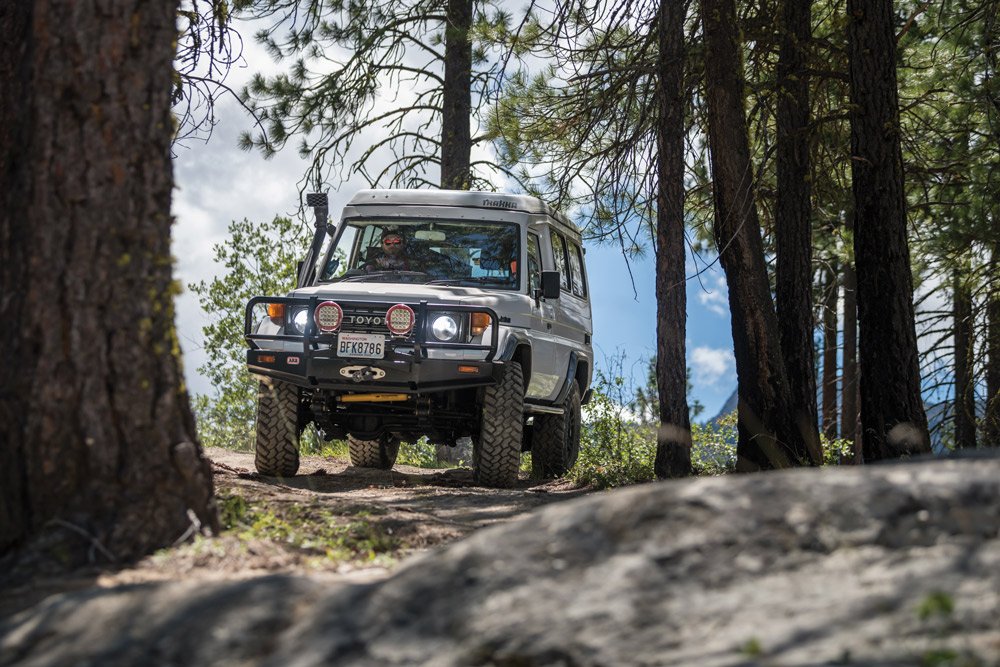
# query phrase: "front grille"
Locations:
[[364, 320], [369, 320]]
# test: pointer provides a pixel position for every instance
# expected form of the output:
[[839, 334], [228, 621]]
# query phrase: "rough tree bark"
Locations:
[[673, 440], [99, 451], [793, 223], [965, 388], [831, 300], [892, 412], [456, 97], [991, 419], [768, 436], [849, 382]]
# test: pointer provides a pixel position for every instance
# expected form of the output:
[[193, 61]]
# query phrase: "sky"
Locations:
[[216, 182]]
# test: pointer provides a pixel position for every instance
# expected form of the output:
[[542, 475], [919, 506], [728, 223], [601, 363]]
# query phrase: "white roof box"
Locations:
[[458, 198]]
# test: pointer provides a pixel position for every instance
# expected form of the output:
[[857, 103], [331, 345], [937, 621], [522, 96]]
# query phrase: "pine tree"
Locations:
[[99, 457], [380, 89]]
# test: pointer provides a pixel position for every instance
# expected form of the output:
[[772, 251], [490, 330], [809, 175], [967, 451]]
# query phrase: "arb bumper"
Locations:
[[414, 363]]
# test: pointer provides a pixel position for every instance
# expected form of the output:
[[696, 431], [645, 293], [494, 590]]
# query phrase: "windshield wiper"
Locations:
[[381, 274], [471, 279]]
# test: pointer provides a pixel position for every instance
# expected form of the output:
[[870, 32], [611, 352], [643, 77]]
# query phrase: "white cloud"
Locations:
[[715, 296], [710, 365]]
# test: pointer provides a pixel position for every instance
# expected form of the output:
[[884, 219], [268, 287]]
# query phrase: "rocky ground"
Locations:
[[880, 565], [332, 521]]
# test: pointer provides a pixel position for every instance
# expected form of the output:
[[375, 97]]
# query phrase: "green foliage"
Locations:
[[713, 446], [618, 446], [835, 450], [615, 450], [752, 648], [255, 259], [936, 605], [421, 454]]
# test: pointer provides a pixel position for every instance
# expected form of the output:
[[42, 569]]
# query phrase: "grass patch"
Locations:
[[318, 532]]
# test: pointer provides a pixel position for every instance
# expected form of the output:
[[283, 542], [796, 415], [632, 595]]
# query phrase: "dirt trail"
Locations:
[[331, 520]]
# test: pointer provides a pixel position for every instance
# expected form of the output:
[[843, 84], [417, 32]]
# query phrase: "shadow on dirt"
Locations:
[[353, 479], [447, 496]]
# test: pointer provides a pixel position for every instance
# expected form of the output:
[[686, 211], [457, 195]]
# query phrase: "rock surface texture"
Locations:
[[885, 565]]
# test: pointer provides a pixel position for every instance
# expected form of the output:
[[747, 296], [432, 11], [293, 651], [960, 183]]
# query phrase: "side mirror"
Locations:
[[550, 284]]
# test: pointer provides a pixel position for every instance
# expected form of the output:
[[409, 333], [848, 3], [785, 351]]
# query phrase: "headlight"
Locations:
[[298, 320], [445, 328]]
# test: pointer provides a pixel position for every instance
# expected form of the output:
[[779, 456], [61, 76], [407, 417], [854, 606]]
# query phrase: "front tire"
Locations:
[[276, 444], [496, 454], [556, 439], [379, 454]]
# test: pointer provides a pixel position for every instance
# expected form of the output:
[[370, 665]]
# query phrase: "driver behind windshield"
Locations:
[[390, 256]]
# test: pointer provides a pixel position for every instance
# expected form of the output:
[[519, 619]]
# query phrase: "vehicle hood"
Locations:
[[396, 292]]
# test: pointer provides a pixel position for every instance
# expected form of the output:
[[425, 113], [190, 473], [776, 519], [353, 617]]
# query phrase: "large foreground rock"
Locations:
[[883, 565]]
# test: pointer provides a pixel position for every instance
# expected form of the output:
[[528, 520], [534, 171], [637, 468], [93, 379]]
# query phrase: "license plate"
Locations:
[[357, 345]]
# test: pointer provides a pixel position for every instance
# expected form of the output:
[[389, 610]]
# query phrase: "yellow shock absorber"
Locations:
[[372, 398]]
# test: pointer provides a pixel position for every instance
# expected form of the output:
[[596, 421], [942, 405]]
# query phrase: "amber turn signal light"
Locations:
[[479, 323], [276, 311]]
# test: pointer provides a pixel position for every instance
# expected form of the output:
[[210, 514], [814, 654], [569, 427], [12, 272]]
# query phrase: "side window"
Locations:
[[559, 254], [534, 264], [576, 261]]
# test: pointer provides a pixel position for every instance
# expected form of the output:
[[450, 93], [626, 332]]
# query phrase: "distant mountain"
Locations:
[[727, 407]]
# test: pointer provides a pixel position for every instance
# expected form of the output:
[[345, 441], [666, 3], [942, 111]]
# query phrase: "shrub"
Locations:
[[713, 446], [615, 449], [421, 454]]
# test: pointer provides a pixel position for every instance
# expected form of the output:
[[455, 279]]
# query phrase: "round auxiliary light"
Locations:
[[400, 319], [445, 328], [328, 316]]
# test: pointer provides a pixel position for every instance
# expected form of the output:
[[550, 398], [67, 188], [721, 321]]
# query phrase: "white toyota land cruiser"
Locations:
[[442, 314]]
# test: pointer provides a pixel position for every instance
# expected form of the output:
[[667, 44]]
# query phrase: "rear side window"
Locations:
[[576, 262], [559, 255]]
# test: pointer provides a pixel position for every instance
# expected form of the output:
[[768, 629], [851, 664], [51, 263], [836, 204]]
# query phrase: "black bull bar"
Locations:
[[318, 354]]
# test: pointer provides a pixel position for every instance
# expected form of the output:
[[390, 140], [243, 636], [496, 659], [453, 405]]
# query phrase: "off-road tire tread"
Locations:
[[551, 454], [377, 454], [497, 450], [276, 444]]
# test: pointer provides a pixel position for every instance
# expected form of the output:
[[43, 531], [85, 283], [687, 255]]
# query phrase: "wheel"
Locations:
[[496, 453], [555, 442], [380, 454], [276, 444]]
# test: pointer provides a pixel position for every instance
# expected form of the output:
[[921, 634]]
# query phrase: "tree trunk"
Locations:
[[673, 440], [991, 419], [456, 97], [892, 412], [965, 388], [849, 382], [768, 435], [793, 224], [99, 451], [831, 300]]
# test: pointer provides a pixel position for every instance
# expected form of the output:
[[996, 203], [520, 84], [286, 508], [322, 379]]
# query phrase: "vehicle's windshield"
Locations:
[[425, 251]]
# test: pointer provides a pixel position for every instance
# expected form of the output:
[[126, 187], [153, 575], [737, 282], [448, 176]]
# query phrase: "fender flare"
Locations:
[[574, 361], [514, 340]]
